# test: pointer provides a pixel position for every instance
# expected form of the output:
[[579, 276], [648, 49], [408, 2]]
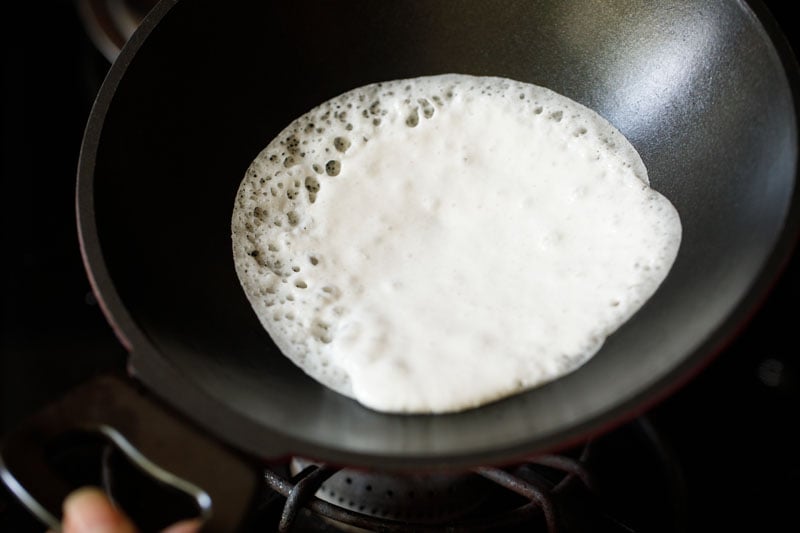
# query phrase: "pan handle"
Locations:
[[159, 442]]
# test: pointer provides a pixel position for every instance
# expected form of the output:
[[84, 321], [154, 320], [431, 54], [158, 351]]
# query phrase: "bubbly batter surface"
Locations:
[[434, 244]]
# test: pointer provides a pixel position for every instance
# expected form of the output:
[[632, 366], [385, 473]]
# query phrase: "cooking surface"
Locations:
[[730, 427]]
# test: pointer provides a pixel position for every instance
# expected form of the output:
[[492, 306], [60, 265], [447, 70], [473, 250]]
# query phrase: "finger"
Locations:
[[88, 510], [187, 526]]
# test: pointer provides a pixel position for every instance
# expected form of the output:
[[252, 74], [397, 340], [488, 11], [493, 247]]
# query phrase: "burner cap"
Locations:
[[421, 498]]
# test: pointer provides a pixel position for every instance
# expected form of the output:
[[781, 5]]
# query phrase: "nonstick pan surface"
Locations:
[[703, 90]]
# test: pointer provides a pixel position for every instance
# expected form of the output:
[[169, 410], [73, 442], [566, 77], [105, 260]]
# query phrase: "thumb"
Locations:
[[88, 510]]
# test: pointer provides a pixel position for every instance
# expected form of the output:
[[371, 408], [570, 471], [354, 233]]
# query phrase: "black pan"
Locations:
[[698, 88], [705, 91]]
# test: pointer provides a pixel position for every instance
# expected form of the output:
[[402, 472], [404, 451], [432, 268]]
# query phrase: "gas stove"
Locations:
[[719, 452]]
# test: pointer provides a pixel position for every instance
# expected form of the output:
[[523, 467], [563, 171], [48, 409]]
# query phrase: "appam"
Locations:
[[434, 244]]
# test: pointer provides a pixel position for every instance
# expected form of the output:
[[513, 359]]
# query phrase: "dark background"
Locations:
[[733, 428]]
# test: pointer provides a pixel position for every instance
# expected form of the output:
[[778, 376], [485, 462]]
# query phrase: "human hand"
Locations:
[[88, 510]]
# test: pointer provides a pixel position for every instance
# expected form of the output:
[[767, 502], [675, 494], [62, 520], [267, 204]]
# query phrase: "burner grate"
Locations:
[[384, 501]]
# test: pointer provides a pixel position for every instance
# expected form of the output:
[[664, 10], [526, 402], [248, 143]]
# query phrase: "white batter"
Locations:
[[431, 245]]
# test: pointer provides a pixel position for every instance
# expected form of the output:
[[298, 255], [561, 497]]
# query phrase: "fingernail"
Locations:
[[188, 526]]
